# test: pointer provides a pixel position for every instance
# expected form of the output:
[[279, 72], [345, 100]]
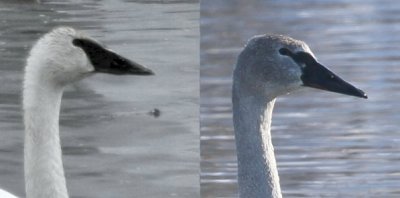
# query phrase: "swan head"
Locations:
[[273, 65], [66, 55]]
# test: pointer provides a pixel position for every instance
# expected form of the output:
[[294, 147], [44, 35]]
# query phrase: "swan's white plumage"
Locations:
[[5, 194], [56, 60], [59, 58], [53, 63]]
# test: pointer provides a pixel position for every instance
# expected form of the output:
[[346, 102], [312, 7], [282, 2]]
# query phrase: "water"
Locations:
[[327, 145], [112, 146]]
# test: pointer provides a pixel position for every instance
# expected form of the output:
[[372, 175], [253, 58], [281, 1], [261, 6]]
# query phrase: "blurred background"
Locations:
[[327, 145], [113, 145]]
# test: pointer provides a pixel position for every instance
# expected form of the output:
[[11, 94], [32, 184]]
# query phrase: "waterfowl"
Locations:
[[59, 58], [270, 66]]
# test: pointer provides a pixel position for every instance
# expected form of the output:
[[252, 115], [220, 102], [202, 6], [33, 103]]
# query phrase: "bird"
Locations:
[[59, 58], [269, 66]]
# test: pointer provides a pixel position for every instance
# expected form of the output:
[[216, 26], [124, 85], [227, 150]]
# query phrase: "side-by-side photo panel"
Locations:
[[99, 99], [330, 69], [199, 98]]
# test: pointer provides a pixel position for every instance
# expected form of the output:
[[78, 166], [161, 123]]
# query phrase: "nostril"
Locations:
[[284, 51]]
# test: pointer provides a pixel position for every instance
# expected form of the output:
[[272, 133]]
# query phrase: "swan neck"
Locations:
[[44, 174], [257, 169]]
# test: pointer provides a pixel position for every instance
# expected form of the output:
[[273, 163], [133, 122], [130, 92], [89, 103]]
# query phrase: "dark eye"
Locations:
[[77, 42], [285, 52]]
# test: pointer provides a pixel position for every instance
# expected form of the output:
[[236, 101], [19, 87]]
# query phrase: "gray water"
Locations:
[[112, 146], [326, 144]]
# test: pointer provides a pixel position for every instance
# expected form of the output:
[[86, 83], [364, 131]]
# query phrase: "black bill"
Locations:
[[317, 76], [106, 61]]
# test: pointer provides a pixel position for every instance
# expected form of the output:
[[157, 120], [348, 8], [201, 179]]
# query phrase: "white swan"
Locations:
[[59, 58], [269, 66]]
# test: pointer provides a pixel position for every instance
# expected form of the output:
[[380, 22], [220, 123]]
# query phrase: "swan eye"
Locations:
[[77, 42], [285, 52]]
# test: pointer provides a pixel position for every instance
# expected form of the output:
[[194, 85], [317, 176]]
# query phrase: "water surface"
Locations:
[[327, 145], [112, 146]]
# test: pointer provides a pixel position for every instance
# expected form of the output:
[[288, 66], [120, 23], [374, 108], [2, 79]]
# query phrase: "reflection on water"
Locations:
[[110, 141], [327, 145]]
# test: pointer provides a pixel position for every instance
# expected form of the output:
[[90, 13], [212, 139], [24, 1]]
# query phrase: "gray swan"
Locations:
[[270, 66]]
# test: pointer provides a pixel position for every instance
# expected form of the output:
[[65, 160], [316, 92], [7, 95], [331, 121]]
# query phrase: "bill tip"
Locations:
[[362, 94]]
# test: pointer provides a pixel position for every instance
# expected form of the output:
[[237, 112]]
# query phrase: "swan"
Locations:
[[270, 66], [59, 58]]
